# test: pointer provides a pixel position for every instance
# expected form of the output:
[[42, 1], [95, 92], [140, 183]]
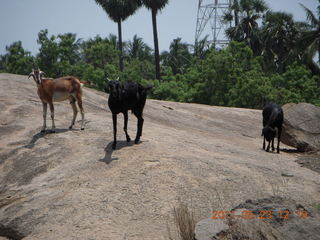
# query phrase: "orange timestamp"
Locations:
[[262, 214]]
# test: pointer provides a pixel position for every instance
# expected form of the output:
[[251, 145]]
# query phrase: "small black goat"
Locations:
[[272, 118], [124, 97]]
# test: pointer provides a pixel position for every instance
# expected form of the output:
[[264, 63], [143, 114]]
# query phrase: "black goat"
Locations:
[[124, 97], [272, 118]]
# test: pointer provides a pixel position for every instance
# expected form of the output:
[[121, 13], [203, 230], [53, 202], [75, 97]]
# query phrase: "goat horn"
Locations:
[[118, 79], [31, 74], [108, 79]]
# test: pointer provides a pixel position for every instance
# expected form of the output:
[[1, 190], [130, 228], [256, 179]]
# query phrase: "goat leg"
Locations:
[[279, 136], [264, 143], [44, 107], [268, 147], [273, 144], [75, 112], [52, 116], [79, 101], [139, 130], [125, 115], [114, 119]]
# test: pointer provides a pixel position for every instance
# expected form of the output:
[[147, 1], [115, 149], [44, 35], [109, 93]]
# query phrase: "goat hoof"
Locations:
[[82, 128], [136, 141], [43, 131], [128, 139], [70, 127]]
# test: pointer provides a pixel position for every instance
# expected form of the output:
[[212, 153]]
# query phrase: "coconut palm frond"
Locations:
[[310, 16]]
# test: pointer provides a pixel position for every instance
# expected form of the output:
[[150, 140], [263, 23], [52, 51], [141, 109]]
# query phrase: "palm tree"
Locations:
[[279, 37], [245, 15], [178, 57], [201, 48], [155, 6], [118, 11], [138, 49], [311, 39]]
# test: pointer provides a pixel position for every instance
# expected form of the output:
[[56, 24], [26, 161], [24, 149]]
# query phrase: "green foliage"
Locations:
[[136, 70], [119, 10], [137, 49], [280, 34], [233, 76], [99, 52], [155, 5], [57, 53], [296, 85], [173, 88], [178, 58], [16, 60]]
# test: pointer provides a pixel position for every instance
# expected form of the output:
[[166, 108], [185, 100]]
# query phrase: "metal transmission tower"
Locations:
[[210, 22]]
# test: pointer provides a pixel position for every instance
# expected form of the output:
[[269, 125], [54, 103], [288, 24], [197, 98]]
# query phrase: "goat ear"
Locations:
[[42, 73]]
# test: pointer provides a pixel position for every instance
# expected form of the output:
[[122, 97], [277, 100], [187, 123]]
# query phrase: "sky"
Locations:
[[21, 20]]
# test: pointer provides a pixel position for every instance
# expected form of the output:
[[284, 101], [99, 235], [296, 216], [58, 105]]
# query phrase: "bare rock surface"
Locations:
[[208, 229], [273, 218], [279, 218], [72, 185], [301, 128]]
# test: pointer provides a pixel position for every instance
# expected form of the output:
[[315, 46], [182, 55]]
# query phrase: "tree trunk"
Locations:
[[319, 52], [156, 45], [236, 18], [236, 13], [120, 46]]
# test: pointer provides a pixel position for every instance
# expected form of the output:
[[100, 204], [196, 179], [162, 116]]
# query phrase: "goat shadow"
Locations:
[[39, 135], [286, 150], [290, 150], [108, 150]]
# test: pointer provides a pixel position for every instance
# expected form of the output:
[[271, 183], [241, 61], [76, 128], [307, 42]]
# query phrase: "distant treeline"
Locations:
[[274, 61]]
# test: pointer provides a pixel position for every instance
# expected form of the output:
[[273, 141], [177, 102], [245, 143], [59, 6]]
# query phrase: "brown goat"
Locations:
[[56, 90]]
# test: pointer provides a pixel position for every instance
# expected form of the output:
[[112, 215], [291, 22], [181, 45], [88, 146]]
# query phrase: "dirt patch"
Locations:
[[8, 130], [310, 161]]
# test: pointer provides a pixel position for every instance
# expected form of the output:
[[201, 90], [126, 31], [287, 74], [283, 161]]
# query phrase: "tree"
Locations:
[[16, 60], [246, 14], [201, 48], [178, 57], [138, 49], [119, 11], [311, 39], [279, 36], [99, 52], [48, 53], [58, 54], [155, 6]]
